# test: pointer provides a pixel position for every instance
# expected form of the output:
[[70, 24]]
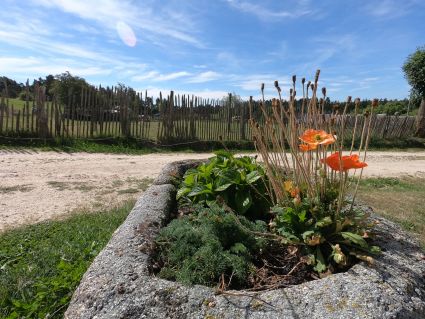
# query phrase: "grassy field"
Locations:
[[42, 264], [400, 200]]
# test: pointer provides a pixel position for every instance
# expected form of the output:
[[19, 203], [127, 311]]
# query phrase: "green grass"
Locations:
[[399, 199], [42, 264]]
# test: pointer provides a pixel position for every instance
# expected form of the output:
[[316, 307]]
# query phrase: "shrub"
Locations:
[[240, 182]]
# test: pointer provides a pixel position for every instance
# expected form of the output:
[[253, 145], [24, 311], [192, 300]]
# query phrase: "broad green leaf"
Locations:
[[243, 201], [182, 192], [253, 177], [189, 180], [355, 239], [198, 190], [223, 187]]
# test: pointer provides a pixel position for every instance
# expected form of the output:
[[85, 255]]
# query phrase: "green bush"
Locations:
[[240, 182], [201, 247]]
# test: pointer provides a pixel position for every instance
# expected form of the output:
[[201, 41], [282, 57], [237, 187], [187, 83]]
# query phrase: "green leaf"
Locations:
[[320, 261], [189, 180], [307, 234], [326, 221], [198, 190], [290, 237], [375, 250], [253, 177], [182, 192], [302, 216], [243, 201], [223, 187], [355, 239]]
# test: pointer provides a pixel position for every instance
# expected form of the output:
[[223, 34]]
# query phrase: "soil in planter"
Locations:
[[213, 247]]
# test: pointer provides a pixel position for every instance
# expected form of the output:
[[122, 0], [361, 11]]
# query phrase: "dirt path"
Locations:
[[36, 186]]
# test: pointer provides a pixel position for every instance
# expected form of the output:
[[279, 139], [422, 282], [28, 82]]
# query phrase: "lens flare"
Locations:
[[126, 34]]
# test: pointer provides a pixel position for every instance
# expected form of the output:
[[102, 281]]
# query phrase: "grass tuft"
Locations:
[[42, 264]]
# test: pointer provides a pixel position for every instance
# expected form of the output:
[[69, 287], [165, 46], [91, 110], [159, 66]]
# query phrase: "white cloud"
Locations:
[[155, 76], [205, 77], [143, 19], [34, 67], [298, 9]]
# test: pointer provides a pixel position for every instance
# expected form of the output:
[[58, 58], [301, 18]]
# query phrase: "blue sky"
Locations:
[[210, 47]]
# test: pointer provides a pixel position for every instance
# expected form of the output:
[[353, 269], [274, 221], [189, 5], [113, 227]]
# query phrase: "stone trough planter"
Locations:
[[118, 283]]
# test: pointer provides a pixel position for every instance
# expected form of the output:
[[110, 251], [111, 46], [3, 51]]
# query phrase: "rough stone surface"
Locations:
[[118, 285], [174, 170]]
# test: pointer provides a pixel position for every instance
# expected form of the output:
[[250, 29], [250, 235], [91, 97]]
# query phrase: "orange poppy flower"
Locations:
[[295, 192], [317, 137], [307, 147], [348, 162]]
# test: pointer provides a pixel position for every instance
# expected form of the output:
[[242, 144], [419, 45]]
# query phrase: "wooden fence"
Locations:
[[110, 112]]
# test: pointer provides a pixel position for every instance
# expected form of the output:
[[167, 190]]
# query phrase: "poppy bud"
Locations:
[[296, 201]]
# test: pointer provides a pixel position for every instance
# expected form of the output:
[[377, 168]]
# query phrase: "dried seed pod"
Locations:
[[312, 86], [375, 103], [294, 79], [349, 99], [366, 113], [308, 84], [324, 91], [276, 84], [303, 81], [262, 86], [316, 77]]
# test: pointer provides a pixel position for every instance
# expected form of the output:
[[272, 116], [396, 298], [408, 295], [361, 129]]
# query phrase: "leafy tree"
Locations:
[[67, 87], [414, 70], [10, 87]]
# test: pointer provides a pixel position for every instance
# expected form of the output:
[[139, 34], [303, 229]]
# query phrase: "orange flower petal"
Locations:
[[307, 147], [345, 163], [317, 137]]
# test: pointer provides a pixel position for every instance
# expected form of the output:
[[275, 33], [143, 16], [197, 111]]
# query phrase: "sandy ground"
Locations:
[[35, 186]]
